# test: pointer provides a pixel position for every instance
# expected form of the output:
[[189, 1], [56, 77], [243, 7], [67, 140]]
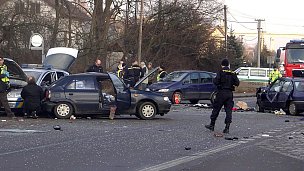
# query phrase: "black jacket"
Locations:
[[3, 87], [226, 79], [32, 95], [95, 68]]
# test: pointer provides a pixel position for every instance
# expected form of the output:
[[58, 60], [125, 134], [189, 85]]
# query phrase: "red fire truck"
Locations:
[[292, 58]]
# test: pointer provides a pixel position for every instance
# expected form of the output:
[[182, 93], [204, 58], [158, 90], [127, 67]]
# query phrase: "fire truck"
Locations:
[[291, 57]]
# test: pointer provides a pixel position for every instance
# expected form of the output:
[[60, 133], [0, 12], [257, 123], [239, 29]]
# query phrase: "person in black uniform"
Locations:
[[133, 74], [32, 95], [96, 67], [225, 80]]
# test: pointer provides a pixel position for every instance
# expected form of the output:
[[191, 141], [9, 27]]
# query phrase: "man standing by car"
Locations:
[[4, 86], [275, 74], [96, 67], [225, 80], [161, 73], [32, 95]]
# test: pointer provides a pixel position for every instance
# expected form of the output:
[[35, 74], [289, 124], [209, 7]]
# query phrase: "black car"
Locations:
[[95, 93], [285, 93]]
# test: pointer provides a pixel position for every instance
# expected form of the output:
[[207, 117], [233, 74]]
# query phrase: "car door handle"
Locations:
[[71, 94]]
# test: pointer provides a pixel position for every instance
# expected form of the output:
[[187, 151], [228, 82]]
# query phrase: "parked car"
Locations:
[[17, 80], [55, 65], [95, 93], [253, 74], [285, 93], [187, 85]]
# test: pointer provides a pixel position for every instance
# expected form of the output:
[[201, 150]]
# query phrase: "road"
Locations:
[[177, 141]]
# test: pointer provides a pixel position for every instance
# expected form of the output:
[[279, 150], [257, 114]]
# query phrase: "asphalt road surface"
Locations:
[[177, 141]]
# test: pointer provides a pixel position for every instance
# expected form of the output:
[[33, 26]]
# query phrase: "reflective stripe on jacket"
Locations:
[[158, 76], [274, 75], [5, 72]]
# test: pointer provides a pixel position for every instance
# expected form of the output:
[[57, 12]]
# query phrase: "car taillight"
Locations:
[[47, 94]]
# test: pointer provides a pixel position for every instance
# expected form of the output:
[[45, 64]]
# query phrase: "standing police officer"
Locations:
[[225, 80], [4, 86]]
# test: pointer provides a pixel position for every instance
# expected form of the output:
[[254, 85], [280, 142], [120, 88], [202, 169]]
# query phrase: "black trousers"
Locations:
[[223, 98], [4, 103]]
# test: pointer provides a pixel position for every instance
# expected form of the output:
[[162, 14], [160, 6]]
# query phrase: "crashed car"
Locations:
[[17, 80], [96, 93], [285, 93], [55, 65], [189, 85]]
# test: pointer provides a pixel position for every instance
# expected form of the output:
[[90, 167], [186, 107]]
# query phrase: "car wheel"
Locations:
[[177, 98], [194, 101], [63, 110], [292, 108], [146, 111], [258, 107]]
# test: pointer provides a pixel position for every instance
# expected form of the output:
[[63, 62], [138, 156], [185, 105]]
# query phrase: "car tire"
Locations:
[[258, 107], [63, 110], [194, 101], [146, 111], [176, 97], [292, 109]]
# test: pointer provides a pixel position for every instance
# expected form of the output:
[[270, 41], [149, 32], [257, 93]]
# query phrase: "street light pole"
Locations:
[[140, 30]]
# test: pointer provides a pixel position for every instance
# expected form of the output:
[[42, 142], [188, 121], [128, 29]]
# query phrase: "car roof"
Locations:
[[91, 74]]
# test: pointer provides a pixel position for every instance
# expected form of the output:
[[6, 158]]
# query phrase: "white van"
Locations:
[[253, 74]]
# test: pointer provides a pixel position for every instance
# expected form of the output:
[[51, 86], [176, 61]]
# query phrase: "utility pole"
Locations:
[[225, 22], [259, 41], [140, 30]]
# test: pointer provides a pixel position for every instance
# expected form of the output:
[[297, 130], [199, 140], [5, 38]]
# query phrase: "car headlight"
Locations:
[[166, 99], [163, 90]]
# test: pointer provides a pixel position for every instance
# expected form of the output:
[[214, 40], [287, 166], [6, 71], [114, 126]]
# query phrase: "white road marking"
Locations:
[[186, 159]]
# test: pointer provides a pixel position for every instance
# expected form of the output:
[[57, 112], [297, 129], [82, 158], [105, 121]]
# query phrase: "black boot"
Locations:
[[34, 115], [226, 130], [210, 126]]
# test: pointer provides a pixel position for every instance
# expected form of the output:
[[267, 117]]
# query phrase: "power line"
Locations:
[[240, 22]]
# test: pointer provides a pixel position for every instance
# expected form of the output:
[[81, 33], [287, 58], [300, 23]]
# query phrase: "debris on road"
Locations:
[[72, 117], [202, 105], [280, 112], [57, 128], [218, 134], [187, 148], [286, 120], [242, 105]]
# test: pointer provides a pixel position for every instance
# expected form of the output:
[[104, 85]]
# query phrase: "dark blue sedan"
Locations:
[[285, 93], [97, 93], [189, 85]]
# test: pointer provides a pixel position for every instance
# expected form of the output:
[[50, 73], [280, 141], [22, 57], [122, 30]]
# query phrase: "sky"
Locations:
[[281, 17]]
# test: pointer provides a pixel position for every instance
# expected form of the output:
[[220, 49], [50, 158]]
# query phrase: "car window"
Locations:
[[286, 87], [186, 80], [205, 78], [258, 72], [119, 85], [174, 76], [276, 86], [299, 86], [47, 79], [194, 78], [243, 72], [81, 84], [60, 74], [35, 74]]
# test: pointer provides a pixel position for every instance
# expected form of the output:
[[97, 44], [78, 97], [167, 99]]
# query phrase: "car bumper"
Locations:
[[164, 107], [48, 106], [299, 105]]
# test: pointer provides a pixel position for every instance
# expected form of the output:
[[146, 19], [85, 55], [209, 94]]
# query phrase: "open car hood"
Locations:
[[60, 58], [143, 78]]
